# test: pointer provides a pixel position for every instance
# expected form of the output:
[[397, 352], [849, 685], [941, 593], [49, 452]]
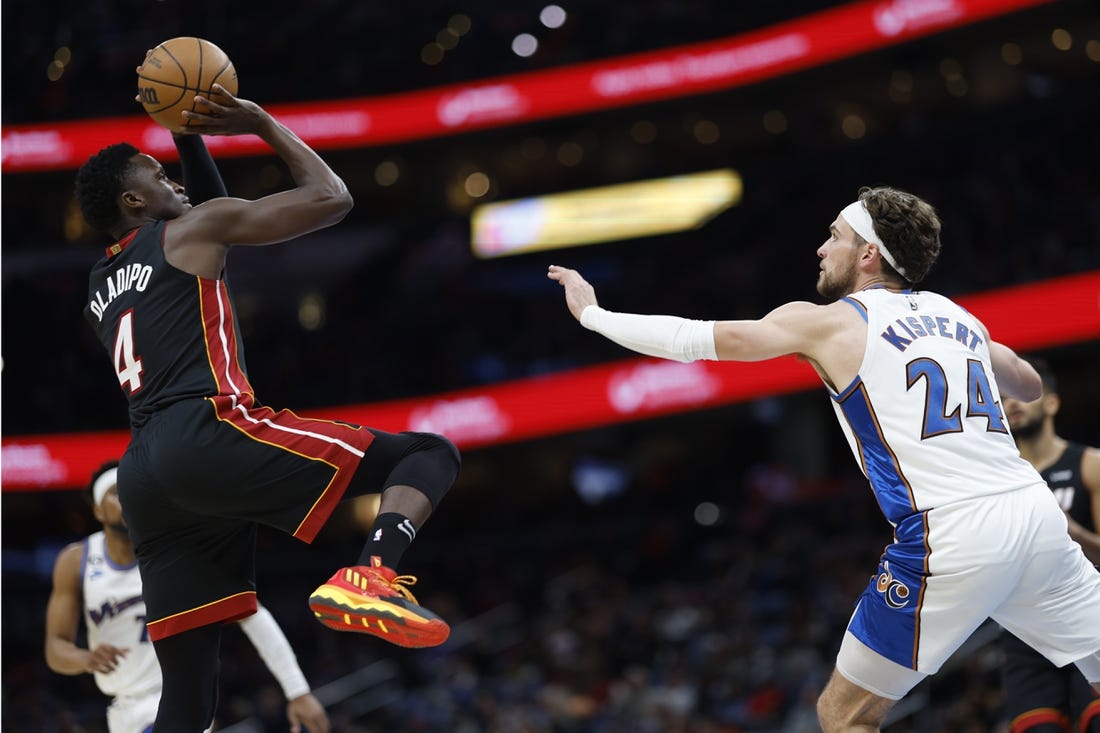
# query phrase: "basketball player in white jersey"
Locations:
[[98, 579], [916, 383]]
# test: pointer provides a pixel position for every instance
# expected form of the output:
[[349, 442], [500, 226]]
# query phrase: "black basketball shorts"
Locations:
[[198, 478]]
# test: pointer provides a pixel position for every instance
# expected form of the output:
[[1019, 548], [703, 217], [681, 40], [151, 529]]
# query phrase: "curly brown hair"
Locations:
[[908, 226]]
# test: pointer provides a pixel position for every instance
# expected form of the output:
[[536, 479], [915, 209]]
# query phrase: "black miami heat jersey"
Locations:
[[1064, 479], [206, 462], [169, 335]]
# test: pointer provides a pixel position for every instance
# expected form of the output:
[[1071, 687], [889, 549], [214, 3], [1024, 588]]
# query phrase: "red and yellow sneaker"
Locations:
[[375, 600]]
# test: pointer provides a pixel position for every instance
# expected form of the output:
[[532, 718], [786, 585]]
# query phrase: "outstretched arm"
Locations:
[[666, 337], [63, 613], [302, 707], [794, 328]]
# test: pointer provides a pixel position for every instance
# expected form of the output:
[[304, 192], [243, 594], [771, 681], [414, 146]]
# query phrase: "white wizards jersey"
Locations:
[[923, 415], [114, 613]]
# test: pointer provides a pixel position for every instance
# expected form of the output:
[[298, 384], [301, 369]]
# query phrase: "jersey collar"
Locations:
[[123, 243], [881, 286]]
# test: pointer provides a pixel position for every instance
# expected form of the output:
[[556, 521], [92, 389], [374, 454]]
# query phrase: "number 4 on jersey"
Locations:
[[127, 365]]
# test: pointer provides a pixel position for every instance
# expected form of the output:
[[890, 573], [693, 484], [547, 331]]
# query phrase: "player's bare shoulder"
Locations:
[[838, 344], [66, 568], [797, 313], [846, 313], [818, 322], [191, 243]]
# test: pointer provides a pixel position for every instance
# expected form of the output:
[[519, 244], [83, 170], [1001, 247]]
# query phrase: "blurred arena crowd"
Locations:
[[627, 615]]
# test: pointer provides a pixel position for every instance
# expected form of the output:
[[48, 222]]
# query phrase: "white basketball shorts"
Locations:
[[1004, 556]]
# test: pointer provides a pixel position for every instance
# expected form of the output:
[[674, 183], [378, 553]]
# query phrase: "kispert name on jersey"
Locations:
[[170, 335], [926, 357]]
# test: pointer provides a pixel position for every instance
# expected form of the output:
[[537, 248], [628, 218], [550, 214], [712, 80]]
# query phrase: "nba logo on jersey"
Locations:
[[912, 301], [893, 591]]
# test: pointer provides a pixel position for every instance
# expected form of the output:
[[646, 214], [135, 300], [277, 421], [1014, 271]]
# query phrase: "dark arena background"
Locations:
[[632, 545]]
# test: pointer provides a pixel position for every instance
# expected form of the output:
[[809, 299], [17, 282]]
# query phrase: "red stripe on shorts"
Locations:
[[339, 445], [1040, 716], [1089, 714], [232, 608], [222, 348]]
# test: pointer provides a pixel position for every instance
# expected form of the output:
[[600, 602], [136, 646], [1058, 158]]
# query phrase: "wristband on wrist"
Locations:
[[666, 337]]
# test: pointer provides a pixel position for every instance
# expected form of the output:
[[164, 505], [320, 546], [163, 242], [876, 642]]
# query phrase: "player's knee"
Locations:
[[444, 452], [826, 712], [838, 710], [438, 465], [835, 719], [449, 454]]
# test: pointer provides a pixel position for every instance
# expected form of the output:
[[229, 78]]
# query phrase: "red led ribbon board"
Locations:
[[669, 73], [1035, 316]]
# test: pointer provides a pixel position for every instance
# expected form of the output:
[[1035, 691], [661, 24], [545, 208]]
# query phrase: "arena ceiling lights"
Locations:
[[603, 214]]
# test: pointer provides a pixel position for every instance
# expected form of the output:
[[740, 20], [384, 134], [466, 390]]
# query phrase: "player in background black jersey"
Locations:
[[1039, 697], [208, 461]]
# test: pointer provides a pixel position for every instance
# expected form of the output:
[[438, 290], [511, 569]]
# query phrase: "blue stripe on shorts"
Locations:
[[888, 617]]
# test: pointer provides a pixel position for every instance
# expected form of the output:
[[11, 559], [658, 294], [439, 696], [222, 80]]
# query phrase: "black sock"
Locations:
[[390, 536]]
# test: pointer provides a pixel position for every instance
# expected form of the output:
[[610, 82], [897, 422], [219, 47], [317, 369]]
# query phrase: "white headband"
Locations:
[[859, 219], [106, 480]]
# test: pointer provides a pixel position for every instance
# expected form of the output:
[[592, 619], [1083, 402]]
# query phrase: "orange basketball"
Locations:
[[175, 72]]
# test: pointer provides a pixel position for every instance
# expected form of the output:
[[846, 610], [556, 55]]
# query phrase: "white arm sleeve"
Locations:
[[668, 337], [274, 649]]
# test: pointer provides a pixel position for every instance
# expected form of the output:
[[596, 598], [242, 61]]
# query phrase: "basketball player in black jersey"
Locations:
[[208, 461], [1039, 697]]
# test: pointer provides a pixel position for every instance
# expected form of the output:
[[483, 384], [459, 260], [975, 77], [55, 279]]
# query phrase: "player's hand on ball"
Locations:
[[578, 293], [148, 53], [228, 116]]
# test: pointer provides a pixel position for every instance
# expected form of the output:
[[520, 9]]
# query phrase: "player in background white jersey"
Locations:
[[916, 382], [98, 579]]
